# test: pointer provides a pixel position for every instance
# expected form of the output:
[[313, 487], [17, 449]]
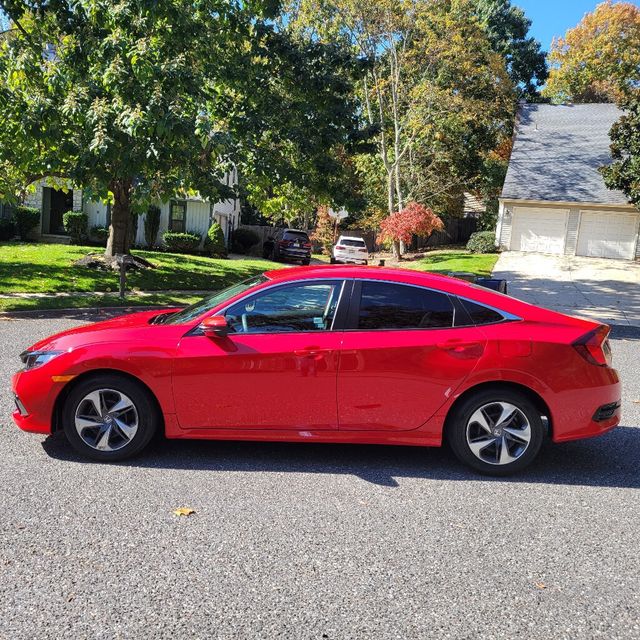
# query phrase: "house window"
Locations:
[[177, 216]]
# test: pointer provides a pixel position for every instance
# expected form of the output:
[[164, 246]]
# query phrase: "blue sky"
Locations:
[[553, 17]]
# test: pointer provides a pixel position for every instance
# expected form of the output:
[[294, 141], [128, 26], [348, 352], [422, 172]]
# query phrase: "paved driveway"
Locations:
[[316, 541], [606, 290]]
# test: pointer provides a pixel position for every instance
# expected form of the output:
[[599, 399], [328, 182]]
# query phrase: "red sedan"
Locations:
[[329, 354]]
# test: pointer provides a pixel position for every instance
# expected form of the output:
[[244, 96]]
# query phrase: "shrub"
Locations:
[[244, 239], [414, 219], [151, 225], [214, 242], [181, 242], [482, 242], [75, 224], [7, 229], [26, 218], [100, 234]]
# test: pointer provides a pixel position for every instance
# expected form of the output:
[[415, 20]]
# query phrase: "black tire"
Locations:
[[148, 416], [332, 260], [306, 261], [459, 422]]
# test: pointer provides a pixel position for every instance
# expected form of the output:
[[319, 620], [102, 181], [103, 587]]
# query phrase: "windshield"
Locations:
[[206, 304]]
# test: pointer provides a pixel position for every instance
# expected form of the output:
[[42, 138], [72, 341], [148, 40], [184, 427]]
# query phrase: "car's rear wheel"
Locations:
[[496, 431], [109, 417]]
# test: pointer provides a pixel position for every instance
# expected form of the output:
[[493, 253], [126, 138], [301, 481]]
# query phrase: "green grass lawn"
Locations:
[[481, 264], [48, 268]]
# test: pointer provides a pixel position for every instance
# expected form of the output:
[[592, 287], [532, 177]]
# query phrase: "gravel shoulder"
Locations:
[[316, 541]]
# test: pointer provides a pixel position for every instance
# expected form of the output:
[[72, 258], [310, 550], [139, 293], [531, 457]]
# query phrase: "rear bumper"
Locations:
[[294, 254], [587, 412], [350, 259]]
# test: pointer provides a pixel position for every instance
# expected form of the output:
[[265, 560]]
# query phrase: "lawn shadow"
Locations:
[[607, 461]]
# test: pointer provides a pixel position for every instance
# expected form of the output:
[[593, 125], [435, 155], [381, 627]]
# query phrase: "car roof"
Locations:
[[357, 271], [351, 238]]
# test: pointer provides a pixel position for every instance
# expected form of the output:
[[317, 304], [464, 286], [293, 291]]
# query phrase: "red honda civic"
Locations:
[[329, 354]]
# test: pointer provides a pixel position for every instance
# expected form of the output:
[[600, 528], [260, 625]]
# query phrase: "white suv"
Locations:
[[349, 249]]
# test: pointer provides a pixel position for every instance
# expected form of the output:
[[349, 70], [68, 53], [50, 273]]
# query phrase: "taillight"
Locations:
[[362, 250], [307, 245], [594, 346], [284, 243], [339, 246]]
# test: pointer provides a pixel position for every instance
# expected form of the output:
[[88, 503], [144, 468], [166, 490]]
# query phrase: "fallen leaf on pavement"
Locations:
[[540, 585], [184, 511]]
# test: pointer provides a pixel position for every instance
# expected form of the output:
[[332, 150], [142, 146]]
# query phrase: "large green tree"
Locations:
[[136, 100], [624, 172], [508, 30], [435, 91]]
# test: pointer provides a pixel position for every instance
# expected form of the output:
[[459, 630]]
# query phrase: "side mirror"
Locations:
[[215, 327]]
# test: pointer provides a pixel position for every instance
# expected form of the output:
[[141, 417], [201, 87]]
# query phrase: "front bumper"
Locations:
[[35, 396]]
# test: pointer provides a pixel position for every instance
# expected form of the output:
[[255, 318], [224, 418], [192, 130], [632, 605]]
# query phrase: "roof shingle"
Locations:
[[557, 152]]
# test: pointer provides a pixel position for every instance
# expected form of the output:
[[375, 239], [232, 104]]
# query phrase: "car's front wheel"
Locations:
[[109, 417], [496, 431]]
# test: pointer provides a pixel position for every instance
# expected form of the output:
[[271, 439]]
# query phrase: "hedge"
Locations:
[[26, 218], [75, 224], [181, 242]]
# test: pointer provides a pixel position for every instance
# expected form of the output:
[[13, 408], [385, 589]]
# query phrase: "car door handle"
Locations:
[[311, 351]]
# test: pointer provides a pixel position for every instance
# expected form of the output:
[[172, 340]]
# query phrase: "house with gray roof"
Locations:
[[554, 199]]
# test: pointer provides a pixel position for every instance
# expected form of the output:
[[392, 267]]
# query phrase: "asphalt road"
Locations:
[[316, 541]]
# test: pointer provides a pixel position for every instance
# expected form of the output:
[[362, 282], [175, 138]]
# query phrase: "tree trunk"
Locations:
[[396, 249], [119, 232]]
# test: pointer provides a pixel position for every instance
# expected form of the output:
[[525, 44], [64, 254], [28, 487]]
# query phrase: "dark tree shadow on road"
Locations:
[[608, 461]]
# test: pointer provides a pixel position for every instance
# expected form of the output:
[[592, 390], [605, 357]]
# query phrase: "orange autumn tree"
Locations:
[[414, 220], [599, 59]]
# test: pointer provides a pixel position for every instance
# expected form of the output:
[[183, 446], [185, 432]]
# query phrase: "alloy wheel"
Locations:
[[498, 433], [106, 420]]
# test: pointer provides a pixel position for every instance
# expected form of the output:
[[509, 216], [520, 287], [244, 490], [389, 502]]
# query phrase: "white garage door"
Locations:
[[604, 234], [539, 229]]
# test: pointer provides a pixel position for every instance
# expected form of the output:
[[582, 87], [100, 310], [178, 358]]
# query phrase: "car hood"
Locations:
[[124, 327]]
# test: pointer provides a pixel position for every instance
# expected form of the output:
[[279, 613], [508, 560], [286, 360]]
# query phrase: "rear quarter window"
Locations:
[[478, 314]]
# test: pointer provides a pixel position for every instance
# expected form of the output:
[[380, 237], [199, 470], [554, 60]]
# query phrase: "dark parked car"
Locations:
[[288, 244]]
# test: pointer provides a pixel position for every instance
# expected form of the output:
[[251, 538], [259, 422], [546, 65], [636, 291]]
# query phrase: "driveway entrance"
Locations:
[[600, 289]]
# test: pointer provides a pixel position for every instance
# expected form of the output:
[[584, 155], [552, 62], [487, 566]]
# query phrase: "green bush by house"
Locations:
[[214, 242], [26, 219], [181, 242], [75, 224], [482, 242], [243, 240], [7, 229]]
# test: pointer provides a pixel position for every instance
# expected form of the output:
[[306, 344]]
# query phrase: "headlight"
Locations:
[[32, 359]]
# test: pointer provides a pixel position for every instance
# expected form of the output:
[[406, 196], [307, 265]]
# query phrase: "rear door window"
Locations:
[[386, 305]]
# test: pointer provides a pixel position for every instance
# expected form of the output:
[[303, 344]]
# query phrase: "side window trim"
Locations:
[[342, 300]]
